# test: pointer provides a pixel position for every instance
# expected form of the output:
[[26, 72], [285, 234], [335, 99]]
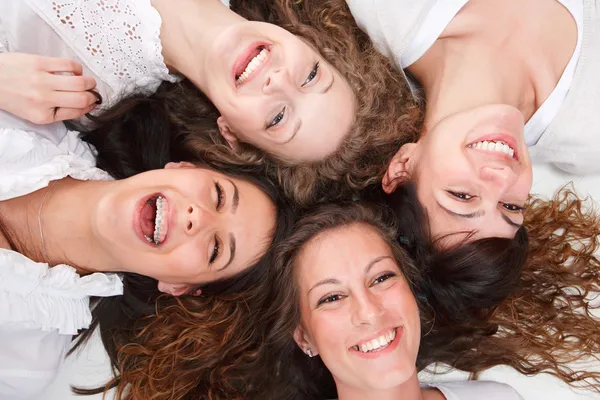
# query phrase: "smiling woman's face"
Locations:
[[277, 93], [472, 171], [357, 310], [184, 225]]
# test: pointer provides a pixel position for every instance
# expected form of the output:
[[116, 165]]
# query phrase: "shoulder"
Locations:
[[475, 390], [29, 159], [390, 24]]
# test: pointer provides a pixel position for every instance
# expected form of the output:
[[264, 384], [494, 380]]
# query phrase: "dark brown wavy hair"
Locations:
[[386, 114], [163, 347], [540, 322], [547, 324]]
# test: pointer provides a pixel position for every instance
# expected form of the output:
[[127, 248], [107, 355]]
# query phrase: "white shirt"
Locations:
[[476, 390], [117, 41], [41, 307]]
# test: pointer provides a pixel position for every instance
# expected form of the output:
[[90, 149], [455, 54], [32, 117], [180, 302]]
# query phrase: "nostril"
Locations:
[[190, 209], [189, 226]]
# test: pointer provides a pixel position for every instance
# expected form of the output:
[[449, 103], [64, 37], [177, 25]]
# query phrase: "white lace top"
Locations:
[[41, 307], [117, 41]]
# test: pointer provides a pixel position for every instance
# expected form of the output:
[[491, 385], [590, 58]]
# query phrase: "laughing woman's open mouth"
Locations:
[[154, 224]]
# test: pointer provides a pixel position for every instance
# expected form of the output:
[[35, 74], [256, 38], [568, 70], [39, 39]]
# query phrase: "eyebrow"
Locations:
[[333, 281], [236, 197], [231, 252], [477, 214]]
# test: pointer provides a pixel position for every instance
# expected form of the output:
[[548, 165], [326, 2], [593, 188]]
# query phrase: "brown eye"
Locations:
[[512, 207], [460, 195]]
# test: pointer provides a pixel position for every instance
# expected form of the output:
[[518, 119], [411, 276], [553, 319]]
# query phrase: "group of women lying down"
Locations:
[[297, 199]]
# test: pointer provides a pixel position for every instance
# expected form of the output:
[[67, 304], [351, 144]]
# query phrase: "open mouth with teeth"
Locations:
[[153, 219], [496, 146], [251, 63], [377, 344]]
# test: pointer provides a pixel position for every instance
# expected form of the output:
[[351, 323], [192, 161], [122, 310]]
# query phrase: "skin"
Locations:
[[515, 59], [352, 296], [99, 234], [295, 106], [465, 189]]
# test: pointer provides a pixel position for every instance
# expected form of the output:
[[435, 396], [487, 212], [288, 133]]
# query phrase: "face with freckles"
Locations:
[[357, 311], [208, 226], [472, 171], [277, 93]]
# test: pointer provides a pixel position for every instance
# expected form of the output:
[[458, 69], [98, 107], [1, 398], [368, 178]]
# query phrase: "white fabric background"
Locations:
[[90, 367]]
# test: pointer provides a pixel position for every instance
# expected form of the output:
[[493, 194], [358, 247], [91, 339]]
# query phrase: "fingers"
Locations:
[[62, 114], [71, 83], [53, 64], [74, 99]]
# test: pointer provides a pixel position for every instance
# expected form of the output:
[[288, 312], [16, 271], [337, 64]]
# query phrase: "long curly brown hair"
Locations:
[[220, 351], [386, 115], [547, 324]]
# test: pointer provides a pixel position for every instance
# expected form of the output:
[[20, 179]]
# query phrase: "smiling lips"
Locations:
[[250, 62], [377, 344]]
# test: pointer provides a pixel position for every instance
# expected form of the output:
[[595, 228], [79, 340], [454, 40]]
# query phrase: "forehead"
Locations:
[[345, 250]]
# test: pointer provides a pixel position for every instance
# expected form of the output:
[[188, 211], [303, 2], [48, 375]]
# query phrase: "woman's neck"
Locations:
[[189, 28], [409, 390], [497, 52], [57, 214]]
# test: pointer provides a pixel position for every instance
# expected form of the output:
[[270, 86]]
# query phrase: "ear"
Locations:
[[398, 170], [227, 134], [176, 290], [175, 165], [303, 341]]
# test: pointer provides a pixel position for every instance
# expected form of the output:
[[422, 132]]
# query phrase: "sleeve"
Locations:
[[366, 16], [29, 359], [476, 390]]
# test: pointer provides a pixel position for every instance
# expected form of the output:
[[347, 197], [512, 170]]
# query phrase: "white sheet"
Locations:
[[91, 365]]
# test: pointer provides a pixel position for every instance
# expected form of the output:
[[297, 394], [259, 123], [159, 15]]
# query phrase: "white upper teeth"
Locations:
[[158, 219], [381, 342], [252, 65], [498, 146]]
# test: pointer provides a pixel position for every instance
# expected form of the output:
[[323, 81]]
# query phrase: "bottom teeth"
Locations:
[[157, 221]]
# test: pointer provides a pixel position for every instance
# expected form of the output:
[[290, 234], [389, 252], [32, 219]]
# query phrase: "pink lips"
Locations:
[[390, 348], [502, 137], [244, 59]]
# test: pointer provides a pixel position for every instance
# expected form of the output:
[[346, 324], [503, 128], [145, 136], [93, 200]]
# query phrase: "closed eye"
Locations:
[[220, 196]]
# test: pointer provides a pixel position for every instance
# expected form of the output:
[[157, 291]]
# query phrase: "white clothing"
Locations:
[[117, 42], [41, 307], [565, 130], [476, 390], [543, 117]]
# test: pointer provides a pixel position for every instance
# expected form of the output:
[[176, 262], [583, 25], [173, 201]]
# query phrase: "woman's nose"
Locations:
[[275, 80], [367, 310], [197, 219], [500, 177]]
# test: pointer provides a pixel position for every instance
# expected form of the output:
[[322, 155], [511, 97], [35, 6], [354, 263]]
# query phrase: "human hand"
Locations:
[[31, 89]]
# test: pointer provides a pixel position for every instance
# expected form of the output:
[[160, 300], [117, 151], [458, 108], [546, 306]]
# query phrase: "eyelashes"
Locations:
[[309, 79]]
